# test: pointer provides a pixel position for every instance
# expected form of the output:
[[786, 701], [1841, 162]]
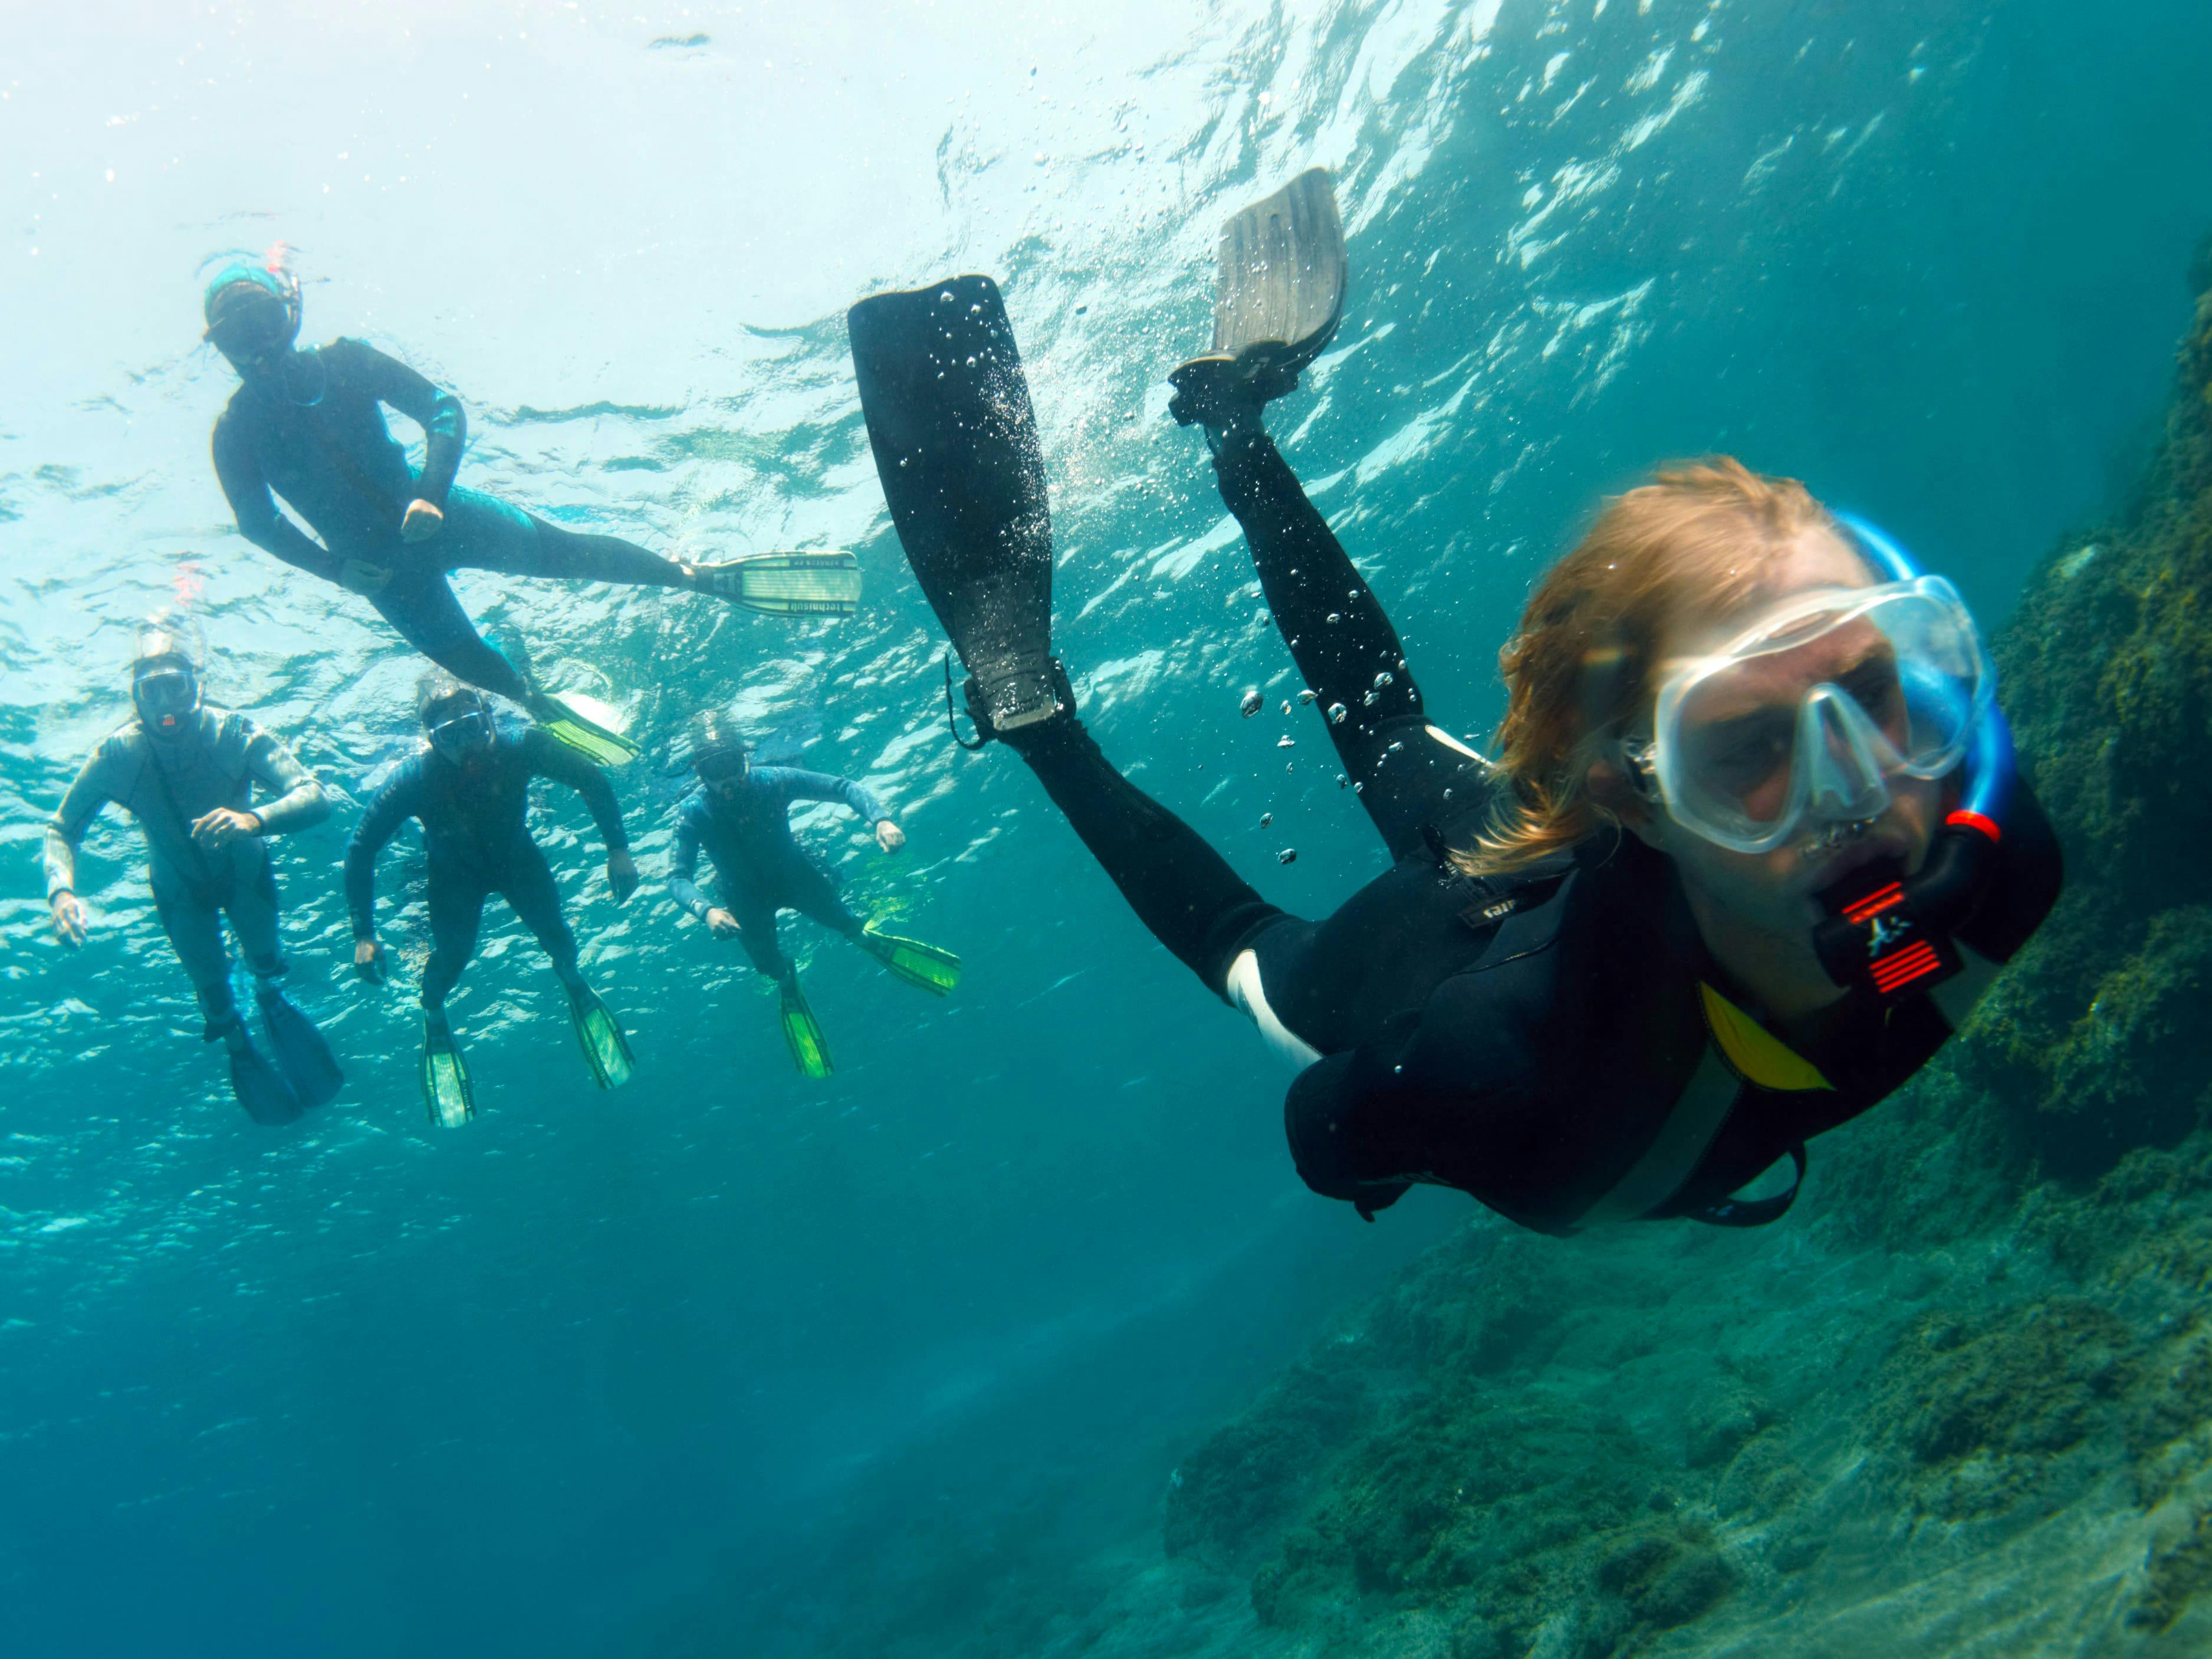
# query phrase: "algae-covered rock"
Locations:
[[2107, 672]]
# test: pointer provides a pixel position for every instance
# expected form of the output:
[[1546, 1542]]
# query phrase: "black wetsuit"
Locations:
[[476, 831], [1533, 1039], [316, 435], [763, 868]]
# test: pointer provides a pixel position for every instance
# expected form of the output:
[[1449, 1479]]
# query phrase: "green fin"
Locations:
[[810, 1052], [606, 1050], [787, 583], [930, 967], [445, 1089], [597, 743]]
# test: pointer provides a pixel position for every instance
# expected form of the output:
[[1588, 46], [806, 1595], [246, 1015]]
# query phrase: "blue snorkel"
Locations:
[[1891, 932]]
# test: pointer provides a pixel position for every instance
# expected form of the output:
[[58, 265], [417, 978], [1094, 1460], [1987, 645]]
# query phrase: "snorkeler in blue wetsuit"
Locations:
[[187, 772], [309, 425], [470, 789], [740, 817]]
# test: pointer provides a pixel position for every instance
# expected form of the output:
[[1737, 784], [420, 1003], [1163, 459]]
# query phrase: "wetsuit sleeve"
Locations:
[[1452, 1092], [397, 802], [863, 802], [684, 865], [245, 487], [297, 800], [550, 757], [92, 790], [437, 411]]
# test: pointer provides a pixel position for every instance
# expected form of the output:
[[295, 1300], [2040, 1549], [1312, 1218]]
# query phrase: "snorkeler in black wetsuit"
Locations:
[[470, 789], [310, 426], [1668, 937], [740, 817]]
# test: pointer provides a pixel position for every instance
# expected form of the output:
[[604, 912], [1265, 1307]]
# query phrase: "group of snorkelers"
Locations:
[[1751, 844], [309, 425]]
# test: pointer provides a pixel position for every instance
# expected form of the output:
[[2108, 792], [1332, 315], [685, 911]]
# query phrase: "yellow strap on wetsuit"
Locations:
[[1753, 1052]]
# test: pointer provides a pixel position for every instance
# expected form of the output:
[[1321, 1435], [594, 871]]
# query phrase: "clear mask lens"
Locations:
[[718, 769], [460, 734], [165, 693], [1810, 715]]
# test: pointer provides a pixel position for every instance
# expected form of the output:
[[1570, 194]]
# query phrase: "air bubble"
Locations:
[[1337, 713], [1266, 818], [1253, 703], [1287, 705], [1288, 856], [1286, 741], [1382, 679], [1308, 696], [1336, 616]]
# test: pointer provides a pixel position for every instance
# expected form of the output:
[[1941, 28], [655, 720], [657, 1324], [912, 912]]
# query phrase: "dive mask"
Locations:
[[465, 730], [1803, 721], [721, 766], [164, 695]]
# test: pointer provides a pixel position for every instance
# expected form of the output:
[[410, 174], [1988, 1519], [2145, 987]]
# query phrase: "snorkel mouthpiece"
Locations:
[[1890, 931]]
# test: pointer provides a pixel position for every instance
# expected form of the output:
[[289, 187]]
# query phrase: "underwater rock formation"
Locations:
[[1962, 1403]]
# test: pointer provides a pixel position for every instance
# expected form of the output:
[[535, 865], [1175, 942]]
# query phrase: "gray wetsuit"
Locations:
[[166, 785]]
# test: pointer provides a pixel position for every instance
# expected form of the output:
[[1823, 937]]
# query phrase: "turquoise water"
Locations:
[[599, 1368]]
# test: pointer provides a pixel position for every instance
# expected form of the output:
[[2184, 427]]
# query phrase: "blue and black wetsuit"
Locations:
[[316, 435], [762, 869], [475, 829], [1557, 1042]]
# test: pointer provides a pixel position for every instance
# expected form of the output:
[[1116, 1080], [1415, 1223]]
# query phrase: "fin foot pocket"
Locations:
[[606, 1048], [930, 967]]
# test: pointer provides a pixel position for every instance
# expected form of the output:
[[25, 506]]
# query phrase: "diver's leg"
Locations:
[[485, 533], [811, 890], [1409, 773], [762, 935], [251, 908], [527, 885], [428, 616], [456, 905], [195, 932], [1182, 890]]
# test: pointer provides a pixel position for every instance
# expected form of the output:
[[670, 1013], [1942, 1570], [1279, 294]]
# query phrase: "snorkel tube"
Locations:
[[1891, 932]]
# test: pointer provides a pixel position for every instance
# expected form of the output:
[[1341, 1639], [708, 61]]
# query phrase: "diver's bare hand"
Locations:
[[723, 925], [368, 961], [360, 576], [622, 875], [223, 826], [69, 920], [422, 520], [890, 837]]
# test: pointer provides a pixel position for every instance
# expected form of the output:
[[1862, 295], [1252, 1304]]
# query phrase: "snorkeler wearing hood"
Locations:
[[740, 815], [187, 771], [309, 425], [1752, 846], [469, 787]]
